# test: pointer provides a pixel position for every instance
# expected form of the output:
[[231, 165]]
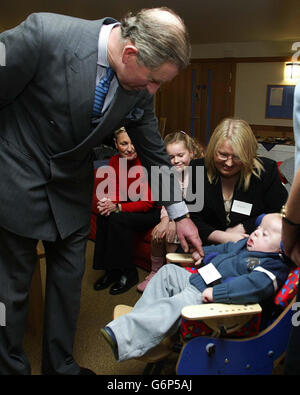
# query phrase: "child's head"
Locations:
[[182, 149], [267, 236]]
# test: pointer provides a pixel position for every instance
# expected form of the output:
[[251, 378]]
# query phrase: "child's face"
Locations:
[[180, 156], [267, 237]]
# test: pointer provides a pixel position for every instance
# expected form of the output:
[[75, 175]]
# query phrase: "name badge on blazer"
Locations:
[[241, 207]]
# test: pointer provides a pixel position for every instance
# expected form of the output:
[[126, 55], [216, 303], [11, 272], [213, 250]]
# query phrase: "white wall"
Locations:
[[251, 90], [252, 78], [243, 49]]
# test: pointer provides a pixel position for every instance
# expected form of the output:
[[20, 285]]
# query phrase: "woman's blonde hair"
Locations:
[[191, 144], [118, 132], [244, 144]]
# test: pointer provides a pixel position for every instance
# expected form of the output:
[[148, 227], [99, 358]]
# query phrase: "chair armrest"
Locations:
[[182, 259], [218, 310]]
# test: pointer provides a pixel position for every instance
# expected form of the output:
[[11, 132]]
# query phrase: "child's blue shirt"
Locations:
[[247, 276]]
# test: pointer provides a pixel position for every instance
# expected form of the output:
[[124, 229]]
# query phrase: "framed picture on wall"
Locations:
[[280, 101]]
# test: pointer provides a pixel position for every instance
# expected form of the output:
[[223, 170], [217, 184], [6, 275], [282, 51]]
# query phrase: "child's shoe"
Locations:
[[156, 264]]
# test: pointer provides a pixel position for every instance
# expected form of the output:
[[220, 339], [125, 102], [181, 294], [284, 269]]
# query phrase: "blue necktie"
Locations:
[[101, 92]]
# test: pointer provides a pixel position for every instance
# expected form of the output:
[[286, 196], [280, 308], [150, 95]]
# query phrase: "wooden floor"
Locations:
[[90, 349]]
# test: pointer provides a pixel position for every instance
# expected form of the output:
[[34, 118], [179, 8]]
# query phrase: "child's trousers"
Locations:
[[156, 314]]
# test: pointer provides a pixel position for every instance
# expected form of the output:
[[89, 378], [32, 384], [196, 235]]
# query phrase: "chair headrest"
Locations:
[[289, 289], [259, 219]]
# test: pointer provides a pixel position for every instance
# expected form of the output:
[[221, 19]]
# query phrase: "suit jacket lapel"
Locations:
[[123, 102], [81, 77], [81, 69]]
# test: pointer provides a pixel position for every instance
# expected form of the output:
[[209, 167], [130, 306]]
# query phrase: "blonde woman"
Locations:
[[238, 185]]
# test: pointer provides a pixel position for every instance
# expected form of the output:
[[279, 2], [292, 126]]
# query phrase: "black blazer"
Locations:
[[266, 194]]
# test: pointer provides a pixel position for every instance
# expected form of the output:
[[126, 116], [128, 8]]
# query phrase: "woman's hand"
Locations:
[[231, 234], [106, 207], [236, 233], [235, 236], [171, 233], [239, 228]]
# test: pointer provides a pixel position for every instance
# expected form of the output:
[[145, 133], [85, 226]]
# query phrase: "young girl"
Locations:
[[181, 149]]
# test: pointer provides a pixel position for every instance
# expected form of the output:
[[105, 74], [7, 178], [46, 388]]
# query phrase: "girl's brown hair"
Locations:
[[190, 143]]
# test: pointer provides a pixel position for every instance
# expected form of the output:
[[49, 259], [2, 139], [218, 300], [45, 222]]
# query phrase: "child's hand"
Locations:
[[171, 233], [160, 229], [207, 295], [197, 257]]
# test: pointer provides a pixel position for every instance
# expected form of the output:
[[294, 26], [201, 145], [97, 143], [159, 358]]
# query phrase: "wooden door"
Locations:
[[198, 98], [173, 102]]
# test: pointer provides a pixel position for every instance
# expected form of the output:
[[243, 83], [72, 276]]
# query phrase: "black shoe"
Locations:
[[86, 372], [109, 336], [125, 282], [108, 278]]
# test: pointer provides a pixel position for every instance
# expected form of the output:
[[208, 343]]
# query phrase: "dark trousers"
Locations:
[[65, 267], [292, 359], [114, 238]]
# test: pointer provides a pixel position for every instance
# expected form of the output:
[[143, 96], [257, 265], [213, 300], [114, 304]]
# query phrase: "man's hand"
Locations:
[[291, 242], [187, 233]]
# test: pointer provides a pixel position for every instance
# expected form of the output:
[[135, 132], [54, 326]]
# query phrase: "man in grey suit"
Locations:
[[49, 68]]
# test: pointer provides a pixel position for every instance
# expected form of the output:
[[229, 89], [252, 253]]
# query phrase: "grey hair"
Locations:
[[157, 38]]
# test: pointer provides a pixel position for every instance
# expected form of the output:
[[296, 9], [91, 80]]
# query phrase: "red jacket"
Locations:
[[122, 174]]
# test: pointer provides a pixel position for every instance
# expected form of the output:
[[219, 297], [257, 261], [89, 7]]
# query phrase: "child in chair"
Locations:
[[249, 271]]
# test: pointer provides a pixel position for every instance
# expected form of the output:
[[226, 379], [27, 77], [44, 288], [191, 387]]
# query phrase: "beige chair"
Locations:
[[217, 316]]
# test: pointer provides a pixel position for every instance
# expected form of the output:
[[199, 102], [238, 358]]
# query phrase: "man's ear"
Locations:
[[129, 51]]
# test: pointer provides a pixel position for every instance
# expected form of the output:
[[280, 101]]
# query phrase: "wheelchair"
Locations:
[[252, 343], [223, 339]]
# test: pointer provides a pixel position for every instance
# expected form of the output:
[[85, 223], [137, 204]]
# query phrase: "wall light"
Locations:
[[292, 71]]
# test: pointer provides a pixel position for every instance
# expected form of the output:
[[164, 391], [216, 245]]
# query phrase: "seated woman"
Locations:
[[238, 185], [249, 271], [119, 218]]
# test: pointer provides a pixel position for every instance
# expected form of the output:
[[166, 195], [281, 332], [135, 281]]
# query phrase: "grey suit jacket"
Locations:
[[46, 138]]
